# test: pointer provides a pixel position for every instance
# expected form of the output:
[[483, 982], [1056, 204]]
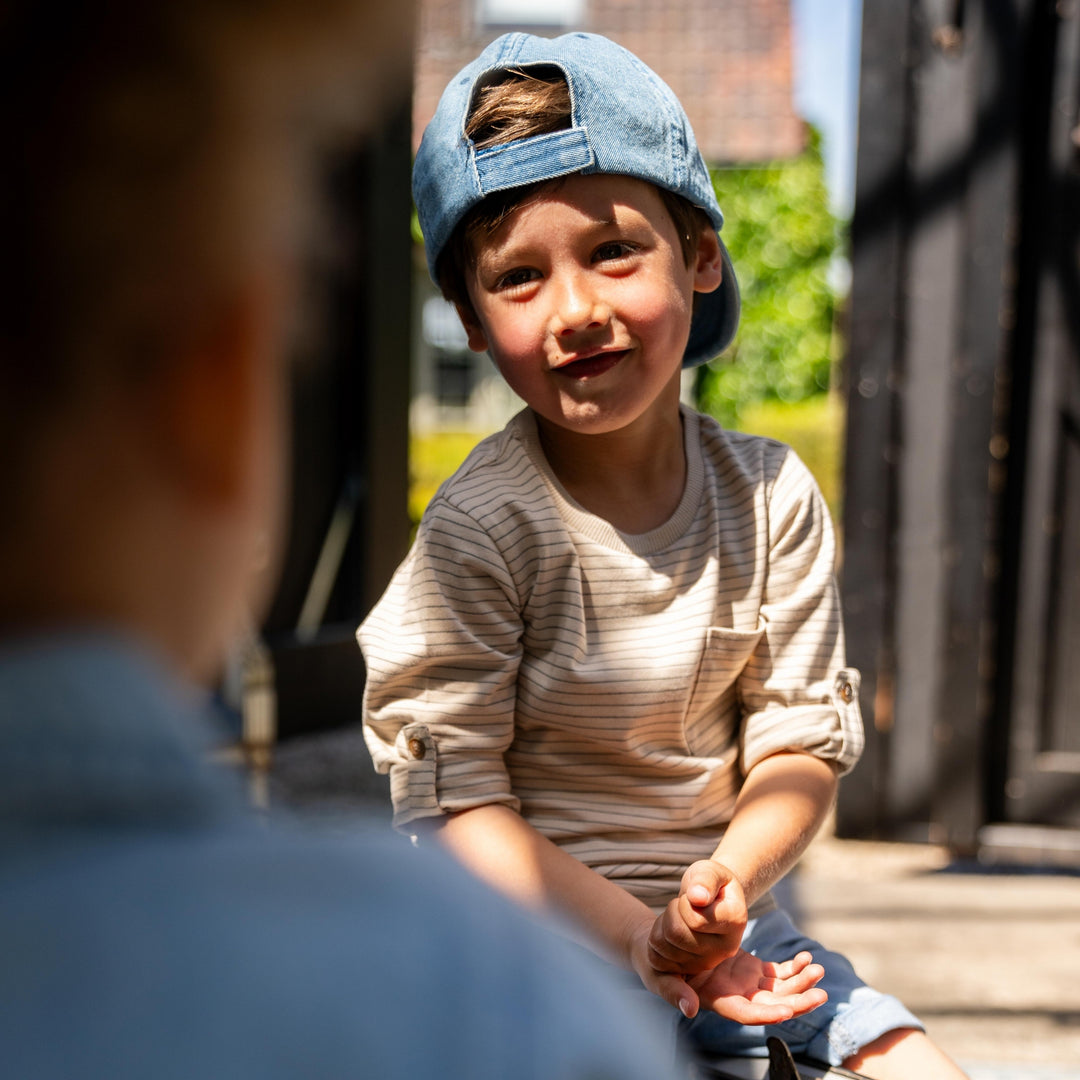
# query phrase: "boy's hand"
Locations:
[[752, 991], [742, 988], [703, 925]]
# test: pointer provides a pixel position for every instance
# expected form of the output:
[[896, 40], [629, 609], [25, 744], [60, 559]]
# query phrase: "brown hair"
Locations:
[[521, 104]]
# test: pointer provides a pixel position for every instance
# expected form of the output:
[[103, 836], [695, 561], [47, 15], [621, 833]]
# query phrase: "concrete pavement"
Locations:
[[988, 959]]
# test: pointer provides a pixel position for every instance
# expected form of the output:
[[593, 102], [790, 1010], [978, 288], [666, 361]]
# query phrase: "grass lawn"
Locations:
[[814, 428], [432, 459]]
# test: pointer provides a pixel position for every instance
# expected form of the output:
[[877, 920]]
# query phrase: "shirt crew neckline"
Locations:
[[600, 529]]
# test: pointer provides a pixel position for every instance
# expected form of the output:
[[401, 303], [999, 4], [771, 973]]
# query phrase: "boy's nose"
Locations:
[[578, 308]]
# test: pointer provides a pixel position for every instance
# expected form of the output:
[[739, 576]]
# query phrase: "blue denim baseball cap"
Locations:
[[624, 120]]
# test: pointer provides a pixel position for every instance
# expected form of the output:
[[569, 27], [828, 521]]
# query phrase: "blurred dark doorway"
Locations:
[[349, 526]]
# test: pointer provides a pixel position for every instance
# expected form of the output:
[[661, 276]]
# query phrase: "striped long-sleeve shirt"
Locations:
[[612, 688]]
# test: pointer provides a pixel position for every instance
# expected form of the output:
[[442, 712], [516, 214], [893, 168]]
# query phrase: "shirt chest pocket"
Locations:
[[712, 716]]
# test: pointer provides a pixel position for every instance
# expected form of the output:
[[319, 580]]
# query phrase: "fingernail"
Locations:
[[684, 1008]]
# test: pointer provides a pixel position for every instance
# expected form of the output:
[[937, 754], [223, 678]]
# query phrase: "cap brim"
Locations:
[[716, 318]]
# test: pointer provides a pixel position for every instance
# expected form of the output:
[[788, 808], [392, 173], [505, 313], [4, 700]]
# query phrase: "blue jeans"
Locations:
[[854, 1016]]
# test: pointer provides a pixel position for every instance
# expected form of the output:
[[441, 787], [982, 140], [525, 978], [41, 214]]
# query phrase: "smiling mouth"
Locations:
[[590, 367]]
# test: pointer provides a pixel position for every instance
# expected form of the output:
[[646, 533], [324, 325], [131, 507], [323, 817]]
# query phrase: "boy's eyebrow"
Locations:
[[498, 247], [509, 247]]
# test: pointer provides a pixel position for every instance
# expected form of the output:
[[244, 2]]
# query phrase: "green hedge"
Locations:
[[783, 238]]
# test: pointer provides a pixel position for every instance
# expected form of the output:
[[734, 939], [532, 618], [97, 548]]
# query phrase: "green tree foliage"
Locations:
[[782, 237]]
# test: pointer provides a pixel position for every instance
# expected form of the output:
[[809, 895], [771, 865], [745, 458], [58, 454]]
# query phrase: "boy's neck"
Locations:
[[633, 478]]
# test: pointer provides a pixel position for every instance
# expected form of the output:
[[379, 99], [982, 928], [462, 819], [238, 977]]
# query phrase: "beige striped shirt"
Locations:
[[613, 688]]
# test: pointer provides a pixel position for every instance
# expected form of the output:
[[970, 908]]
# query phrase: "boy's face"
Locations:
[[584, 300]]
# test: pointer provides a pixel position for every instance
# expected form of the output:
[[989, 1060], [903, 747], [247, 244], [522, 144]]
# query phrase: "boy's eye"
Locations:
[[521, 275], [614, 249]]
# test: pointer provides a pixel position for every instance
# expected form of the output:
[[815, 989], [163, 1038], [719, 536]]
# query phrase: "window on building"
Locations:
[[530, 12], [453, 363], [454, 378]]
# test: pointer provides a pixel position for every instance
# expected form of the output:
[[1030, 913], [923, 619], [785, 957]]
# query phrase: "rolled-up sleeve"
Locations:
[[796, 691], [442, 649]]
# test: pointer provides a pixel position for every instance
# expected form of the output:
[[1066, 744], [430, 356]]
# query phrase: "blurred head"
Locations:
[[154, 205]]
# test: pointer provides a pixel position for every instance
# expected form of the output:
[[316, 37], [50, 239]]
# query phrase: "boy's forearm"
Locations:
[[505, 851], [782, 804]]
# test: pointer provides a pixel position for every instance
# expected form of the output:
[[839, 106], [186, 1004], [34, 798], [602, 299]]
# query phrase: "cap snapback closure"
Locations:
[[543, 157]]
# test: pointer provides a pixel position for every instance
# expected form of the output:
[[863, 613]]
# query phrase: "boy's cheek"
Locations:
[[513, 341], [512, 373]]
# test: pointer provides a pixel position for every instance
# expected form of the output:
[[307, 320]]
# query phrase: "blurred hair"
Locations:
[[157, 153], [521, 104]]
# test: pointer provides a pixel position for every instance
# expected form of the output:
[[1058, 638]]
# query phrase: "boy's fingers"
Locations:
[[703, 881], [673, 940], [667, 957], [743, 1011], [746, 1011], [801, 1004], [700, 895], [785, 969], [675, 991], [799, 983]]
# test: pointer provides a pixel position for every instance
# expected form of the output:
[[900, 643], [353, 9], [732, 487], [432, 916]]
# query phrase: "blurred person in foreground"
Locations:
[[157, 177]]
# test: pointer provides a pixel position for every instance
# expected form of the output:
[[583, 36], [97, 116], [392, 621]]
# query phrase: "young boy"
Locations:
[[610, 674]]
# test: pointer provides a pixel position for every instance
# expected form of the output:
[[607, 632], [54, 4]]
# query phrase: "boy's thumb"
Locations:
[[703, 882]]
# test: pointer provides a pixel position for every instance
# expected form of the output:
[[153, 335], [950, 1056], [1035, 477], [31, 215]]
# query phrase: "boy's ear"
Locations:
[[709, 263], [478, 341]]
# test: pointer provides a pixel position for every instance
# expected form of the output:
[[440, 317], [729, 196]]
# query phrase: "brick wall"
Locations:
[[729, 61]]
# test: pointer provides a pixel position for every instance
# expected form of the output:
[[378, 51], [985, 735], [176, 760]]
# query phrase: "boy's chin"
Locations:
[[581, 422]]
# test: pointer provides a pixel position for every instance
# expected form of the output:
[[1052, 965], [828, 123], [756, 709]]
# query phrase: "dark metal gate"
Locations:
[[962, 520], [1043, 777]]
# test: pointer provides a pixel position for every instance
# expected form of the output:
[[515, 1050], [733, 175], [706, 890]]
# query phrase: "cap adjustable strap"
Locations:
[[543, 157]]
